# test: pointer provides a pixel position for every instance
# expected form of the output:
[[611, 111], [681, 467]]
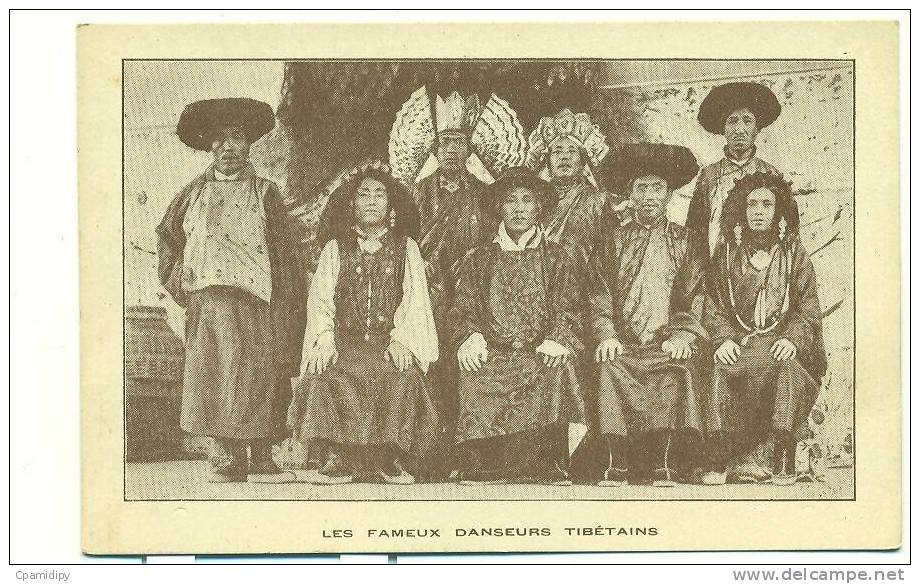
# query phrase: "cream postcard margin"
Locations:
[[112, 525]]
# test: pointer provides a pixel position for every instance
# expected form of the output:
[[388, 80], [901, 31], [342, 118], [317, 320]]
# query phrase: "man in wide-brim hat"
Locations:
[[739, 111], [226, 254], [514, 332], [646, 303]]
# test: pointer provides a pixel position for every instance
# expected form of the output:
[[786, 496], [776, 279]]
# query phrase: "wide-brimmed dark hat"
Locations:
[[676, 164], [724, 99], [521, 177], [199, 120]]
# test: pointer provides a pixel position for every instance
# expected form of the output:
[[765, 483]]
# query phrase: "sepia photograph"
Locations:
[[488, 279], [445, 288]]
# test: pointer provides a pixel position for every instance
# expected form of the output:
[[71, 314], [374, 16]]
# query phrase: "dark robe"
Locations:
[[516, 300], [643, 389], [280, 324], [452, 223], [575, 219], [757, 394], [363, 399], [721, 176]]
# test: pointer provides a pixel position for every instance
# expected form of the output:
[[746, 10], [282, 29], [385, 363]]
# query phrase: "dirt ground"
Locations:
[[185, 480]]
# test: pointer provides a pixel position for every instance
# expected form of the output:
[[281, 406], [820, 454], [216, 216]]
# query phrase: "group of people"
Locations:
[[550, 325]]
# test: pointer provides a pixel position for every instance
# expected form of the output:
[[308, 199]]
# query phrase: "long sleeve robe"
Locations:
[[712, 185], [288, 299], [514, 392], [644, 389], [359, 302], [757, 383], [243, 391], [413, 324]]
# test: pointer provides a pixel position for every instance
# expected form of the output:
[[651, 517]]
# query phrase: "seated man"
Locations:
[[646, 301], [363, 404], [763, 315], [513, 325]]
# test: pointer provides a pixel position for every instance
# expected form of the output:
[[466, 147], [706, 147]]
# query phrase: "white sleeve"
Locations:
[[413, 322], [321, 301]]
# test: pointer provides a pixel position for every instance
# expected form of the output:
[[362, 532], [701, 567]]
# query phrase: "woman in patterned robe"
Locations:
[[515, 332], [764, 319], [363, 402]]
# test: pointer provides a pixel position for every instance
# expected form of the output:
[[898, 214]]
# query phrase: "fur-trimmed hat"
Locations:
[[676, 164], [722, 100], [201, 119]]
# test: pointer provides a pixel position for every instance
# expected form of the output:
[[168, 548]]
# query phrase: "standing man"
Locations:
[[446, 150], [226, 254], [647, 300], [739, 111], [564, 149]]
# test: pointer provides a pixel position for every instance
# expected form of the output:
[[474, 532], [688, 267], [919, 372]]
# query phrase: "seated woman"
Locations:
[[514, 329], [763, 315], [363, 404]]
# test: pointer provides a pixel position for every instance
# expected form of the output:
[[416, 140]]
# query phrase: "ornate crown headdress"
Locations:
[[497, 139], [566, 124], [456, 113]]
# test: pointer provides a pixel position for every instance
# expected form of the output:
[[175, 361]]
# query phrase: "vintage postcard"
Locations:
[[517, 287]]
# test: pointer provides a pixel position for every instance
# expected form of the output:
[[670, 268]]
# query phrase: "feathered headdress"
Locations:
[[497, 138]]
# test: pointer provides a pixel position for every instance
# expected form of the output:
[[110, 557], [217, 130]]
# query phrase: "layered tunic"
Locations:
[[704, 214], [227, 254], [647, 286], [452, 223], [366, 293], [756, 303], [512, 300], [575, 219]]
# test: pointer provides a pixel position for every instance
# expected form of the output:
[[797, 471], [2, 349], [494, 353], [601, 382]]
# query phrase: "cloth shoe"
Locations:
[[712, 477], [394, 474], [663, 477], [262, 469], [228, 461], [748, 473], [614, 477], [335, 471]]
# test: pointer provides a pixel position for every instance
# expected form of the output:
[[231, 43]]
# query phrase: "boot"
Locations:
[[336, 470], [228, 461], [616, 473], [262, 468], [485, 465], [389, 468], [716, 457], [784, 461], [663, 475]]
